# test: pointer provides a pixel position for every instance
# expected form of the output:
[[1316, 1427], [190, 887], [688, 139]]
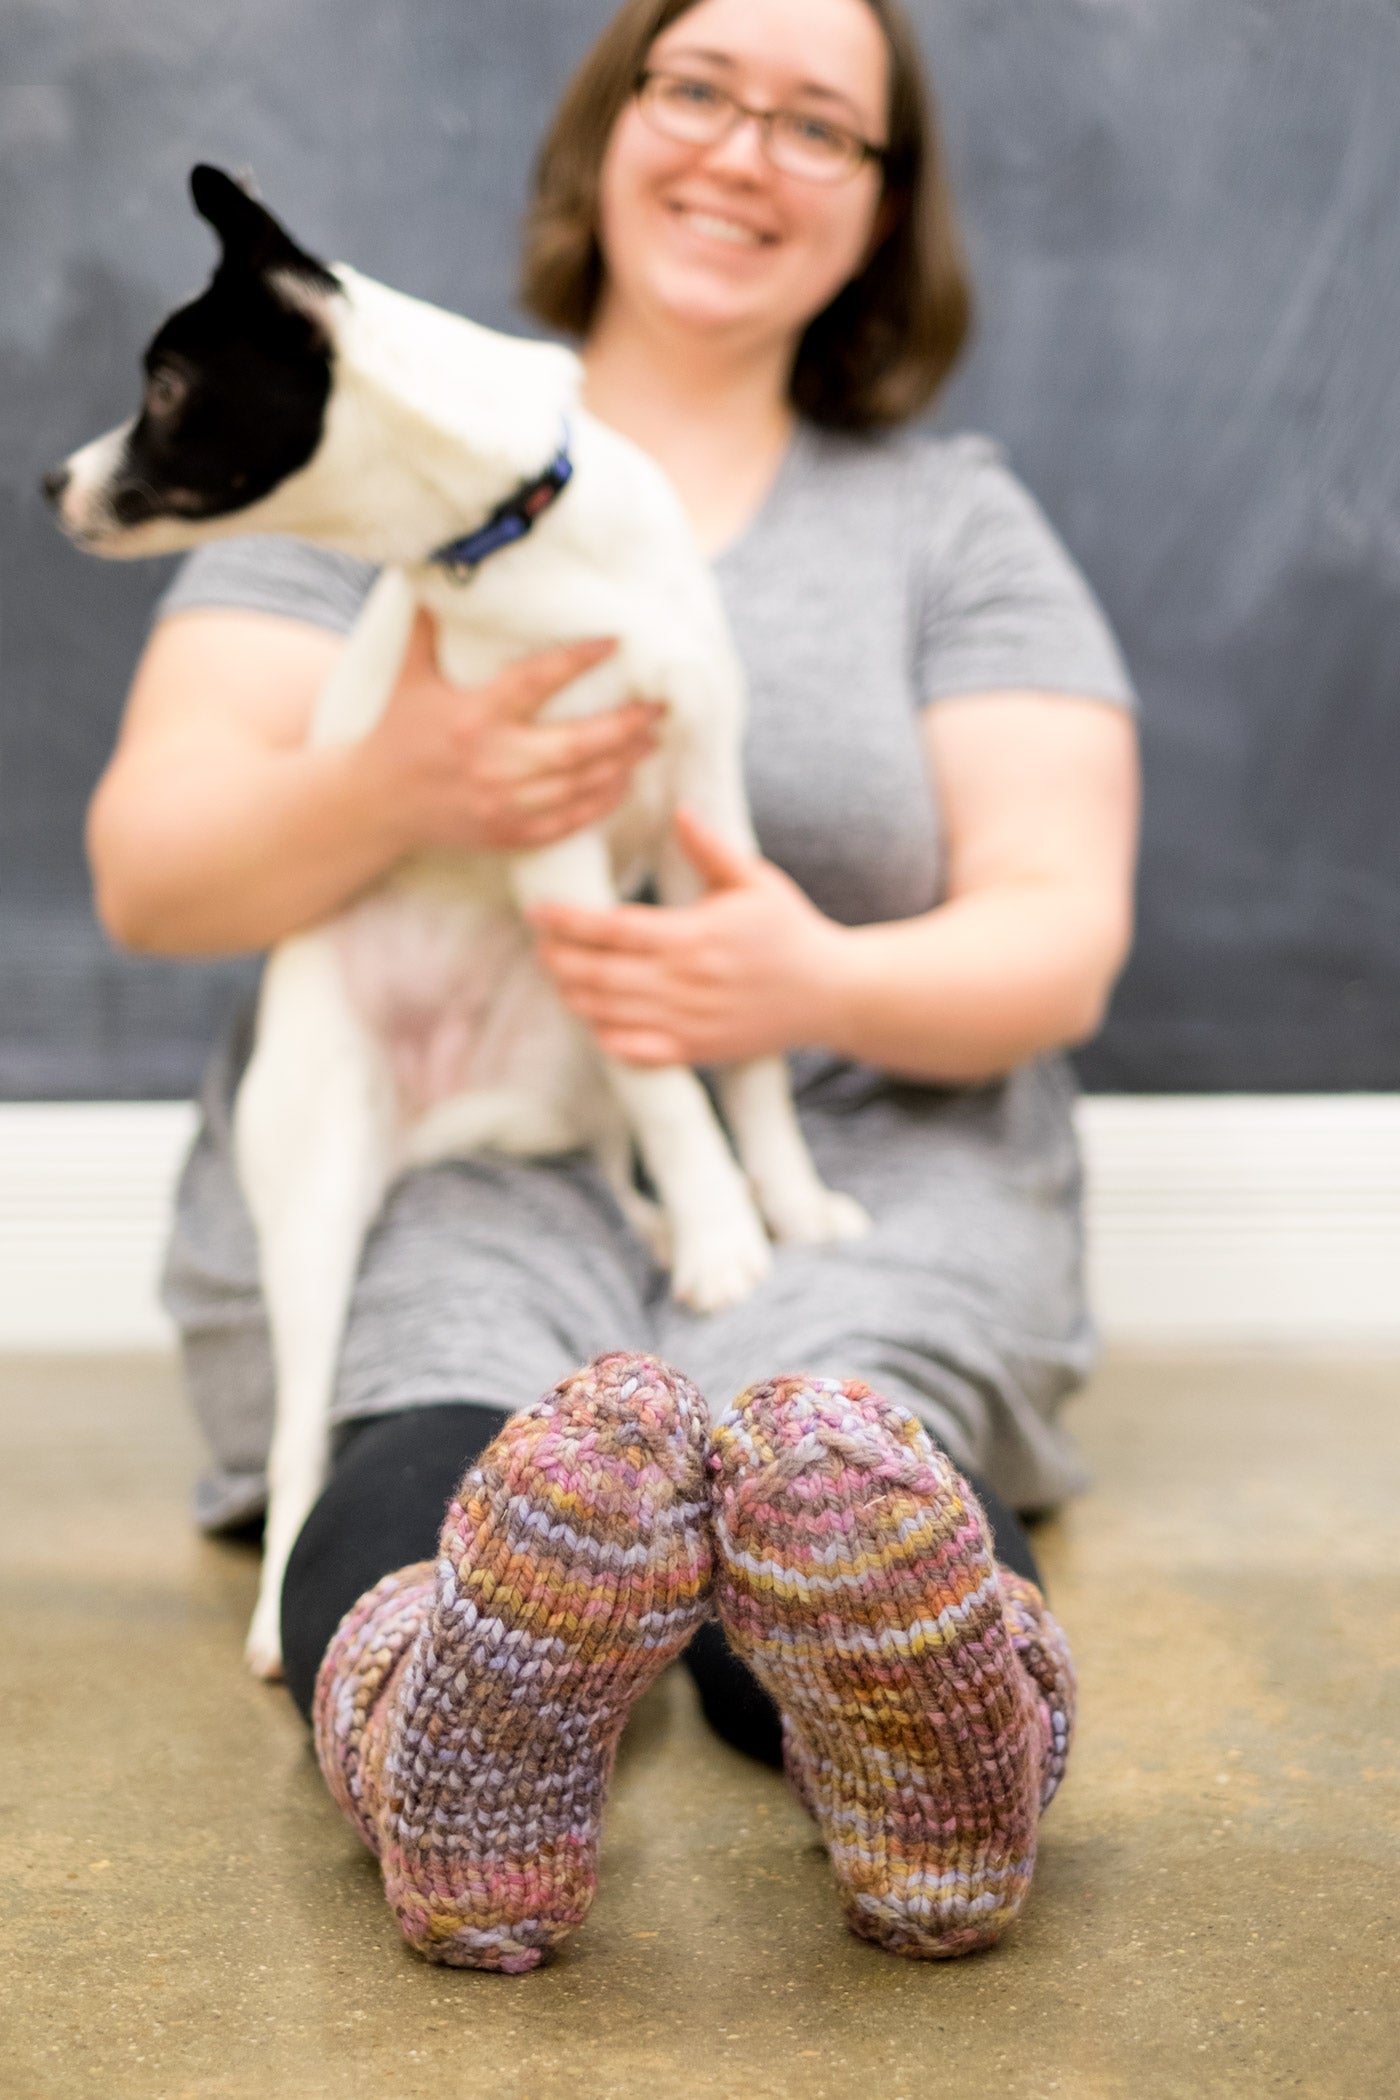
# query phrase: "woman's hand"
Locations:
[[473, 769], [217, 828], [747, 970]]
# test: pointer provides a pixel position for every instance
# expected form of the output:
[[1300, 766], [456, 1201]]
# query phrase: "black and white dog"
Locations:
[[293, 397]]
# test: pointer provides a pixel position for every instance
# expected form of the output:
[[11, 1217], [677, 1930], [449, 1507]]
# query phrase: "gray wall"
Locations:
[[1184, 218]]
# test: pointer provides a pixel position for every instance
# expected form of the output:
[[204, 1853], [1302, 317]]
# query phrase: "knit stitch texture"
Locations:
[[927, 1693], [467, 1715]]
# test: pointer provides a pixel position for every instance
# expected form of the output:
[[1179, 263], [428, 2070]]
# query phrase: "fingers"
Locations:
[[631, 1000], [537, 793], [533, 832], [620, 739], [636, 928], [634, 1017], [561, 819], [642, 1046], [620, 980], [522, 688], [628, 731], [722, 866]]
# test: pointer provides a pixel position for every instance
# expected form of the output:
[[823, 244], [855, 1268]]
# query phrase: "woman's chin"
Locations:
[[705, 303]]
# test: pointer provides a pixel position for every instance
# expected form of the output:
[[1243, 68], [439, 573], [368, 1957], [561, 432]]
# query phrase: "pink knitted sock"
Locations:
[[927, 1694], [467, 1716]]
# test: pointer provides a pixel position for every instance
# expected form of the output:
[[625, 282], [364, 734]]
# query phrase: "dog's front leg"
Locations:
[[719, 1250], [313, 1132], [756, 1096]]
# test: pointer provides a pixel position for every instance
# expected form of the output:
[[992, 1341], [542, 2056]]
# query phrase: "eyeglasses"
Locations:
[[696, 112]]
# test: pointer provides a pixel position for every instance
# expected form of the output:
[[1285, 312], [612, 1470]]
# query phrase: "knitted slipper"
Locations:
[[467, 1715], [927, 1694]]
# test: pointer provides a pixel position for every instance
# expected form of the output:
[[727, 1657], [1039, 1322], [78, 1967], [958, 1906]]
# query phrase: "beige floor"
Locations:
[[1215, 1911]]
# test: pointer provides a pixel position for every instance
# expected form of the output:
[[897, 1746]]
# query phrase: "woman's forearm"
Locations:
[[966, 992], [213, 851]]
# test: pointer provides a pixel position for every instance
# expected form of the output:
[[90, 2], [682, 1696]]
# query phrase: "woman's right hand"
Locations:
[[472, 767], [218, 828]]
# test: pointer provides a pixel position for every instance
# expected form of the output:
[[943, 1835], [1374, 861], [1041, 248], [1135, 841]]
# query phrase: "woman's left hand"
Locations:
[[747, 970]]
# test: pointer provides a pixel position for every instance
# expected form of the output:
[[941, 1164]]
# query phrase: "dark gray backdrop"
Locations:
[[1184, 218]]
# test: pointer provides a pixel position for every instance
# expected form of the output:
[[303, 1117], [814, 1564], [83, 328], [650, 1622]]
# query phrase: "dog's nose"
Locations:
[[54, 483]]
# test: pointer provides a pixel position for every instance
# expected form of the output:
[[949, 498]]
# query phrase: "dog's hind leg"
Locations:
[[719, 1250], [314, 1133]]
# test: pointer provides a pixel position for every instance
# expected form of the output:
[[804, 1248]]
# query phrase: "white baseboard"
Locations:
[[1213, 1219], [1245, 1218], [85, 1193]]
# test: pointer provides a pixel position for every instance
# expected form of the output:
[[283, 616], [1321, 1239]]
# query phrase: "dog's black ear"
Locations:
[[252, 239]]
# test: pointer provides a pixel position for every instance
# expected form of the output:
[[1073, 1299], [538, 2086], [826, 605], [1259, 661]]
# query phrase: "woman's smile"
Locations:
[[721, 226]]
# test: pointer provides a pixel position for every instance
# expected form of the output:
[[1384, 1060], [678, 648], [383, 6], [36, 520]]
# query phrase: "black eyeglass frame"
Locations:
[[764, 118]]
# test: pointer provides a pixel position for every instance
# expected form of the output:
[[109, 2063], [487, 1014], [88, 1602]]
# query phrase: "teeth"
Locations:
[[724, 229]]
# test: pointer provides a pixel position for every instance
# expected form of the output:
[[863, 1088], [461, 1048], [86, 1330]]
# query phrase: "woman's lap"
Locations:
[[485, 1280]]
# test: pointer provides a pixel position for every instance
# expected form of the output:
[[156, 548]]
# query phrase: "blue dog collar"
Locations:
[[511, 520]]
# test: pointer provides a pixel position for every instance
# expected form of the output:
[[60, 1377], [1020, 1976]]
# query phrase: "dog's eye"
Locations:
[[165, 391]]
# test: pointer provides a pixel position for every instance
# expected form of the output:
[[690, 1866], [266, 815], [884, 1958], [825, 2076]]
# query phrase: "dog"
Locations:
[[297, 397]]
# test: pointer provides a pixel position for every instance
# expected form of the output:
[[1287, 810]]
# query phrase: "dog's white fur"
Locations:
[[417, 1025]]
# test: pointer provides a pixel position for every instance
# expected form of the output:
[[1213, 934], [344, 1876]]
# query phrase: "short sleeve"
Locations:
[[1003, 606], [270, 575]]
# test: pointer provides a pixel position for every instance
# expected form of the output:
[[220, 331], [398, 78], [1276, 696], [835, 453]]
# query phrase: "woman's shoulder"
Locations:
[[997, 602], [261, 573]]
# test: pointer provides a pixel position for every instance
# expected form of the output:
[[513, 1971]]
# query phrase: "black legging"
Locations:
[[392, 1479]]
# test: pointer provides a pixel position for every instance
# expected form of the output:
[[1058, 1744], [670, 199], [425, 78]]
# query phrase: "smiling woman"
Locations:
[[740, 211], [877, 346]]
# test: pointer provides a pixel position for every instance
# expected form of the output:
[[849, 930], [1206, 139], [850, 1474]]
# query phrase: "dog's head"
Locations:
[[237, 384]]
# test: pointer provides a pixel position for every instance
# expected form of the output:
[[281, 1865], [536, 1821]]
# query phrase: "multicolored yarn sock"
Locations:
[[467, 1715], [927, 1694]]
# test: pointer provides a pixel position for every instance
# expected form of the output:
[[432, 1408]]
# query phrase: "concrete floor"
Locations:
[[182, 1912]]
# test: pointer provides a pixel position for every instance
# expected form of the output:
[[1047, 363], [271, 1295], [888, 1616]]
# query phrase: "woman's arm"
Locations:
[[215, 828], [1040, 806], [1039, 794]]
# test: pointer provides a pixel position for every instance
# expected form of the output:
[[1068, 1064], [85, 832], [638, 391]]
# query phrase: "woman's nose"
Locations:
[[741, 150]]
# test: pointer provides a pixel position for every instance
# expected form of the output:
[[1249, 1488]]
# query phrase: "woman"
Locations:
[[741, 213]]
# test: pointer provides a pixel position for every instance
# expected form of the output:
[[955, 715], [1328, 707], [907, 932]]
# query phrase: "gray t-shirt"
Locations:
[[880, 576]]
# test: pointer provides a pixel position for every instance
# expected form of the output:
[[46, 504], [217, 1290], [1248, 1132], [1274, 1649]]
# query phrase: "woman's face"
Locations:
[[715, 239]]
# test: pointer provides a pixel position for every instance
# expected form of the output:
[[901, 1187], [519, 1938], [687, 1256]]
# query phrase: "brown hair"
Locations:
[[878, 353]]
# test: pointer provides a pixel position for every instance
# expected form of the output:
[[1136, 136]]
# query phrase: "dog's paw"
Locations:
[[262, 1651], [815, 1216], [715, 1265]]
